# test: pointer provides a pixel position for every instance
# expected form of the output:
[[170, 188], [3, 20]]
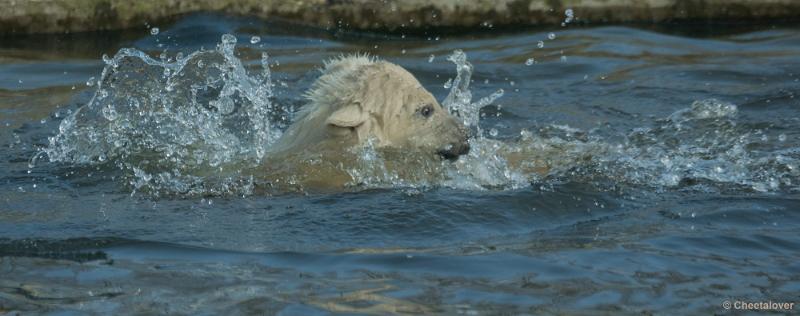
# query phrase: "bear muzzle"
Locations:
[[454, 150]]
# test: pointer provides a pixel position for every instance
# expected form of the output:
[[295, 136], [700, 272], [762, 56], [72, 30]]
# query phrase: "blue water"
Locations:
[[680, 189]]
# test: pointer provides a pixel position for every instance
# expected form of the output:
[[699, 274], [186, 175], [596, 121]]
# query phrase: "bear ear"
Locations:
[[347, 116]]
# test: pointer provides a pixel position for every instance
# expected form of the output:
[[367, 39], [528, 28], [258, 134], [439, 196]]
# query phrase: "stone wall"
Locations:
[[56, 16]]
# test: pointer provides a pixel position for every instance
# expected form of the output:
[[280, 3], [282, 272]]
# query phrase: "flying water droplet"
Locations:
[[228, 39], [570, 15]]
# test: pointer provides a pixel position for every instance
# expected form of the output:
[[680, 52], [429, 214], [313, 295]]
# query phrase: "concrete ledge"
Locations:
[[59, 16]]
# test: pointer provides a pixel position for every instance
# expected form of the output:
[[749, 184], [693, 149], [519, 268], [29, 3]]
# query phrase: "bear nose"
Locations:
[[452, 151]]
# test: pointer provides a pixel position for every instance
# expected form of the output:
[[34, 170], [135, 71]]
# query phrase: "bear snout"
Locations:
[[453, 151]]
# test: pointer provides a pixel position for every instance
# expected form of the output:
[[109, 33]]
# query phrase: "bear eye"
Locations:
[[426, 111]]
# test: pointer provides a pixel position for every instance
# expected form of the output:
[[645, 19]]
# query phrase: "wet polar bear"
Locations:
[[360, 100]]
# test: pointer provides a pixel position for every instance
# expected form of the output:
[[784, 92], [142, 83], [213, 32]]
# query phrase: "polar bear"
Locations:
[[359, 99]]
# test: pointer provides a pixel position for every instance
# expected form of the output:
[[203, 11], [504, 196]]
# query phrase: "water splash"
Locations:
[[698, 148], [701, 147], [166, 124], [704, 147], [459, 100], [197, 124]]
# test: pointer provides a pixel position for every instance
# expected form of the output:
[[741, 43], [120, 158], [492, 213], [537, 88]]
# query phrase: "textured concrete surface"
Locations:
[[55, 16]]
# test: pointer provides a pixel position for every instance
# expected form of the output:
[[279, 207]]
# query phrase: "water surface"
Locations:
[[678, 188]]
